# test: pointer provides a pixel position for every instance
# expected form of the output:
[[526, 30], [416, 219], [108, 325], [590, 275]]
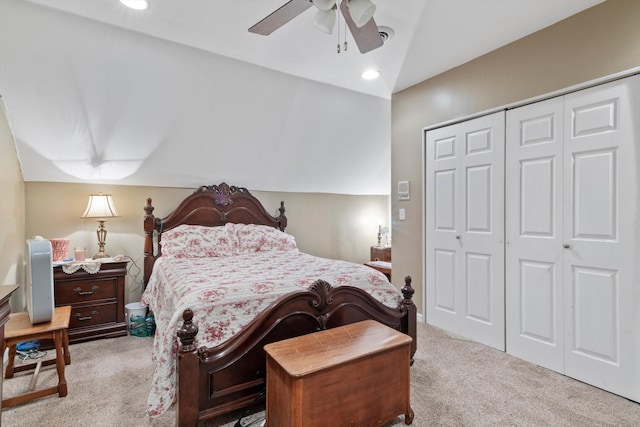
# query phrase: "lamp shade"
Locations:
[[100, 206], [325, 20], [361, 11]]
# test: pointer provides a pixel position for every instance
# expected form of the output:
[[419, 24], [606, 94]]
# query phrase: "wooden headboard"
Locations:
[[209, 205]]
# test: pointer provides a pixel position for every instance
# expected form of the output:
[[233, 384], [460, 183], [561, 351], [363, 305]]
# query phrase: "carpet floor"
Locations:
[[454, 382]]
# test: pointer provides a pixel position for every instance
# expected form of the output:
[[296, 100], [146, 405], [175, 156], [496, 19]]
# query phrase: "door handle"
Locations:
[[458, 237], [566, 246]]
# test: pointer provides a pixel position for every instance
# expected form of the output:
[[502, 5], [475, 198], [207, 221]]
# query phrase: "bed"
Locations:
[[241, 284]]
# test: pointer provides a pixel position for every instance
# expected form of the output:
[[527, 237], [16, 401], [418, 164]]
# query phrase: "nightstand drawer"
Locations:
[[81, 291], [93, 315]]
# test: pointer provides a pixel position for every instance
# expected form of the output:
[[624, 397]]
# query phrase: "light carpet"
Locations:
[[455, 382]]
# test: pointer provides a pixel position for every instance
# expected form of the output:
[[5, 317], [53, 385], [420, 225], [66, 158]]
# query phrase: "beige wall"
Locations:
[[600, 41], [12, 235], [327, 225]]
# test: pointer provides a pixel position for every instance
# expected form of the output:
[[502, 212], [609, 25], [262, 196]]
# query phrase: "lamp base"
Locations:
[[101, 255]]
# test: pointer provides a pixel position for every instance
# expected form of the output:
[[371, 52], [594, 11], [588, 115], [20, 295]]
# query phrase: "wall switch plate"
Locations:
[[401, 214], [403, 190]]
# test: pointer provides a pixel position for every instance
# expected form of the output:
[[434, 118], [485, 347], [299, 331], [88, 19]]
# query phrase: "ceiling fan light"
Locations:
[[325, 20], [136, 4], [324, 4], [361, 11]]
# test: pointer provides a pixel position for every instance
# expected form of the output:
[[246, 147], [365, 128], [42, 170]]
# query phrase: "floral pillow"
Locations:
[[197, 241], [253, 238]]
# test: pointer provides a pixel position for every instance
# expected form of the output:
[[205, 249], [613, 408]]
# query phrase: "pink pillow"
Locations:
[[197, 241], [253, 238]]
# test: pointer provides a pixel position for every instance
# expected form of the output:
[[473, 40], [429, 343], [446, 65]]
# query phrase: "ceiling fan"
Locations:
[[357, 14]]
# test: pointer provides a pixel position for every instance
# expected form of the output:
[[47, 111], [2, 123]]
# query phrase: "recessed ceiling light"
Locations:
[[370, 74], [136, 4]]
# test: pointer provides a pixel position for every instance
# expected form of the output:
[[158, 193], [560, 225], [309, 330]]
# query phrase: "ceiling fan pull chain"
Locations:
[[338, 26], [344, 22]]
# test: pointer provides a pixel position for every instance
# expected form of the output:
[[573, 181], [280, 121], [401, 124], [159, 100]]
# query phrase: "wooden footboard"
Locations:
[[213, 381]]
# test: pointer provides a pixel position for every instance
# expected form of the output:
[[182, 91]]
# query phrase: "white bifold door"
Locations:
[[465, 228], [572, 239]]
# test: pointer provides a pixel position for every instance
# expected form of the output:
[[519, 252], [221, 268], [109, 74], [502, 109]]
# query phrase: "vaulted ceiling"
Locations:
[[182, 94]]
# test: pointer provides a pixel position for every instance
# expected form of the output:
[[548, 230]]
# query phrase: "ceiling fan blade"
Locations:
[[281, 16], [367, 37]]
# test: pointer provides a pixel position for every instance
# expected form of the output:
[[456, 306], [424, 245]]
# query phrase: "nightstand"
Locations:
[[97, 301], [381, 260], [381, 253]]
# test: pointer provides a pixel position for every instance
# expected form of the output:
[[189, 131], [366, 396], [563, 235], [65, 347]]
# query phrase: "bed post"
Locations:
[[282, 219], [187, 407], [149, 221], [409, 320]]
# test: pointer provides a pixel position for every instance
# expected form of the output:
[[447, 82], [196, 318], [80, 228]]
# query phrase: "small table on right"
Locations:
[[381, 260], [356, 375], [382, 266]]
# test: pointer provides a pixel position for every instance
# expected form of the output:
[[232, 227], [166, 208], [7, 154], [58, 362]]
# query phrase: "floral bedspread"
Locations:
[[226, 293]]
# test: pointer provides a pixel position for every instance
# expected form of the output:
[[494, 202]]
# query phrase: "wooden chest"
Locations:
[[353, 375]]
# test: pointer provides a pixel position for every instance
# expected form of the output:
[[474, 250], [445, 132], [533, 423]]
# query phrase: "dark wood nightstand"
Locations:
[[381, 253], [381, 260], [97, 301]]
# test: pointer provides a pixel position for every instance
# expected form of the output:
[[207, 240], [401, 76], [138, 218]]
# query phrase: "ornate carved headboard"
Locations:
[[209, 205]]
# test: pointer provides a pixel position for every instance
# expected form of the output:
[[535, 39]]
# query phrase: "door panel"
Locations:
[[595, 195], [478, 287], [533, 269], [595, 302], [538, 288], [479, 192], [444, 296], [601, 231], [537, 197], [445, 200], [441, 257], [465, 228]]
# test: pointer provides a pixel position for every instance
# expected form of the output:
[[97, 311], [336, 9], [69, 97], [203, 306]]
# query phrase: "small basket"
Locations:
[[60, 248]]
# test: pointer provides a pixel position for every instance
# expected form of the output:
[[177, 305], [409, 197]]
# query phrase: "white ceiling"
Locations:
[[183, 95], [431, 36]]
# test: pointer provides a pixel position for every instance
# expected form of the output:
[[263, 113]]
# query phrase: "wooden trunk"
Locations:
[[353, 375]]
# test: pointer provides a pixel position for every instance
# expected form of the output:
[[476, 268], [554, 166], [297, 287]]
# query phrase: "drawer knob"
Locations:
[[81, 318], [79, 290]]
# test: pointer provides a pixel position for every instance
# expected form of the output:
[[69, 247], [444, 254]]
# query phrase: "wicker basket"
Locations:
[[60, 248]]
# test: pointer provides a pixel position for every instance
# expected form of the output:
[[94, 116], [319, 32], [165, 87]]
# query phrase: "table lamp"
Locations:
[[101, 207]]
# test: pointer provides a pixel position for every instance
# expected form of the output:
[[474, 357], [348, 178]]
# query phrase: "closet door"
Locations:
[[572, 285], [464, 209], [534, 233], [602, 299]]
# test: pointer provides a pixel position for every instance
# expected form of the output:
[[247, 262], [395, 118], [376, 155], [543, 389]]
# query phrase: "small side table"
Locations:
[[19, 329]]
